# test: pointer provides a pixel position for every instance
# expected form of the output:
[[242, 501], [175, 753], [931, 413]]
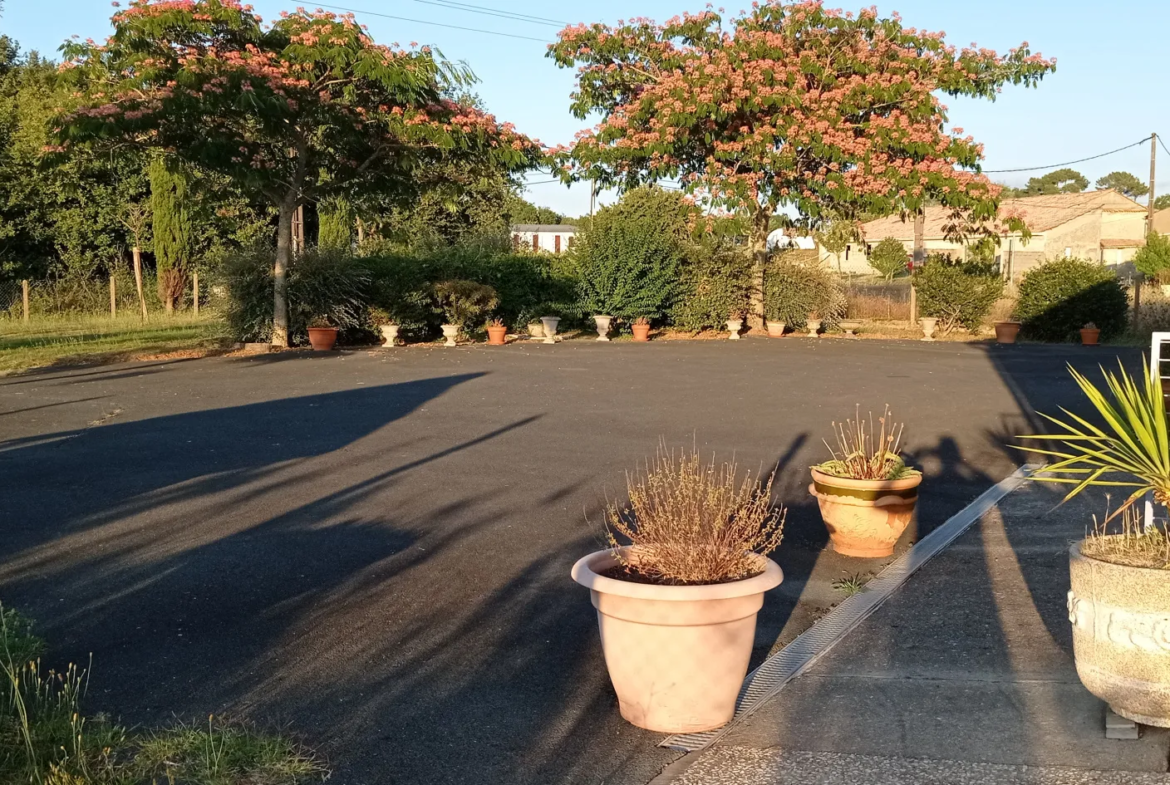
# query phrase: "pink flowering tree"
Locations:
[[790, 105], [308, 107]]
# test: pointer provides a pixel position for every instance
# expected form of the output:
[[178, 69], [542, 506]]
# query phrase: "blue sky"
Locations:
[[1111, 87]]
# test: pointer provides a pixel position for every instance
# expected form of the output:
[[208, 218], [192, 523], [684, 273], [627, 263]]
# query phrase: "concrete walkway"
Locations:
[[964, 675]]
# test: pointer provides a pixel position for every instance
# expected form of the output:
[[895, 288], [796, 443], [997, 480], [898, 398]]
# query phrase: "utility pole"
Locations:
[[1150, 204]]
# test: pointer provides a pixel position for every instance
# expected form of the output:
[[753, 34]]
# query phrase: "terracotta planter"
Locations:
[[677, 655], [1090, 336], [929, 324], [734, 326], [450, 332], [389, 334], [550, 324], [865, 518], [322, 339], [814, 327], [1121, 636], [776, 329], [1006, 332], [497, 336], [641, 332], [603, 324]]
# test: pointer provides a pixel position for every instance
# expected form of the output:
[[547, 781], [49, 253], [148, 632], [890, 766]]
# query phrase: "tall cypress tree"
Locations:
[[169, 196]]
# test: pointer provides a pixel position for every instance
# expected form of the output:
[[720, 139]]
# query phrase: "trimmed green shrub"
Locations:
[[889, 258], [1154, 257], [464, 303], [794, 291], [1059, 298], [957, 295], [714, 282]]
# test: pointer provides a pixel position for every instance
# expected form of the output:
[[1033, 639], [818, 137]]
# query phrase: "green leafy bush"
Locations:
[[1155, 256], [1059, 298], [957, 295], [794, 291], [714, 282], [889, 258], [464, 303]]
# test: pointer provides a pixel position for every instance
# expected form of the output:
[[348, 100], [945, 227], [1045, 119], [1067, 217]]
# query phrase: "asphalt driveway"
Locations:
[[372, 548]]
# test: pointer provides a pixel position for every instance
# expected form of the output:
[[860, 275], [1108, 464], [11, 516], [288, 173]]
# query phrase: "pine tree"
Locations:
[[170, 197], [336, 222]]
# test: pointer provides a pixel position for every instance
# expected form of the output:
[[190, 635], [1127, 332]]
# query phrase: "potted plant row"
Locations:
[[1119, 602], [678, 590]]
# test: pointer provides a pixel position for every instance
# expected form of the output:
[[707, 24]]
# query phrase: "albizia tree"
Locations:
[[306, 108], [795, 105]]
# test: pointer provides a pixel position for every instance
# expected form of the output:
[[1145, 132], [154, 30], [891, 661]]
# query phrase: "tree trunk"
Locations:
[[137, 252], [280, 273], [919, 239], [761, 222]]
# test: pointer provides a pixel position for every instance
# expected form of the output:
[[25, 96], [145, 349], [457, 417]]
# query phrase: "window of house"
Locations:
[[535, 242]]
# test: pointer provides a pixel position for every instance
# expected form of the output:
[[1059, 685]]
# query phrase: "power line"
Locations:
[[435, 24], [1067, 163], [1163, 144], [487, 11]]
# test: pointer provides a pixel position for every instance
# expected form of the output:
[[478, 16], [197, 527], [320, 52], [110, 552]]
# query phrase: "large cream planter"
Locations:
[[677, 655], [865, 518], [1121, 635]]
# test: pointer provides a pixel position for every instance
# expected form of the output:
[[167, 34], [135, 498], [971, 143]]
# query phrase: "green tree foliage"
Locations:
[[1154, 256], [1162, 202], [336, 221], [1124, 183], [1059, 298], [303, 109], [889, 258], [795, 291], [714, 282], [629, 261], [1062, 181], [170, 201], [958, 295]]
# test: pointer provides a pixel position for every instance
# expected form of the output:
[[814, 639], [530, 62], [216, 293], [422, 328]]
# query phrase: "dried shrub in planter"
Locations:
[[1131, 544], [691, 522]]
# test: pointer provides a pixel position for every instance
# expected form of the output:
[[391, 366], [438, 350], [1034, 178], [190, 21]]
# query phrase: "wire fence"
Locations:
[[883, 301], [115, 295]]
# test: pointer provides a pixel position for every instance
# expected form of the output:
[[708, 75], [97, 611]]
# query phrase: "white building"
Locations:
[[550, 238]]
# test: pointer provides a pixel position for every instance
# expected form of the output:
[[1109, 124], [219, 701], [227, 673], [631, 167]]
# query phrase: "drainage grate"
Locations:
[[785, 665]]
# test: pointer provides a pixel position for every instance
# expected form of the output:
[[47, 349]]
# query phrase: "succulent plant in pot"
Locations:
[[497, 332], [678, 591], [1090, 334], [462, 303], [865, 491], [1119, 603], [322, 334]]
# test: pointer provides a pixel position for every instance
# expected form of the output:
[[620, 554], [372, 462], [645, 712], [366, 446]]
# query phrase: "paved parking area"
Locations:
[[372, 548]]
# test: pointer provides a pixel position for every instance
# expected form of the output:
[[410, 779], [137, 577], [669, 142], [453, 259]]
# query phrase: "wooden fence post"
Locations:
[[195, 290], [113, 297], [24, 297], [138, 279], [913, 305]]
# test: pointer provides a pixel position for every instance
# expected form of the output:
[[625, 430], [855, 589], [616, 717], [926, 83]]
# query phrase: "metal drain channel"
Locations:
[[785, 665]]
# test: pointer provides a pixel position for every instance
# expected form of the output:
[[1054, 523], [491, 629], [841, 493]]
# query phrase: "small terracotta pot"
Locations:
[[497, 336], [676, 655], [776, 329], [1006, 332], [865, 518], [641, 332], [1090, 336], [322, 339]]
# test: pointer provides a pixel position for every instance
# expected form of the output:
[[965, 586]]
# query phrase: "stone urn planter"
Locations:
[[497, 334], [389, 334], [850, 327], [603, 324], [734, 326], [1090, 335], [814, 328], [865, 518], [776, 329], [929, 324], [1006, 332], [535, 330], [677, 655], [1121, 635], [322, 339], [1166, 290], [550, 328], [450, 332], [641, 331]]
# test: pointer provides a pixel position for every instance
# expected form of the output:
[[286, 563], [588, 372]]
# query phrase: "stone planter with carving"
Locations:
[[389, 334], [450, 332], [734, 326], [1121, 635], [603, 324], [929, 324], [550, 328], [814, 327]]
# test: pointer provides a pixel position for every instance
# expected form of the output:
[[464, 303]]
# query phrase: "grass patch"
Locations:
[[58, 340], [46, 739], [854, 584]]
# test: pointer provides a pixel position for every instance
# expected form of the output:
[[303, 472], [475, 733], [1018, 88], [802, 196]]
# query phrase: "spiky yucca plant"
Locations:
[[1130, 450]]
